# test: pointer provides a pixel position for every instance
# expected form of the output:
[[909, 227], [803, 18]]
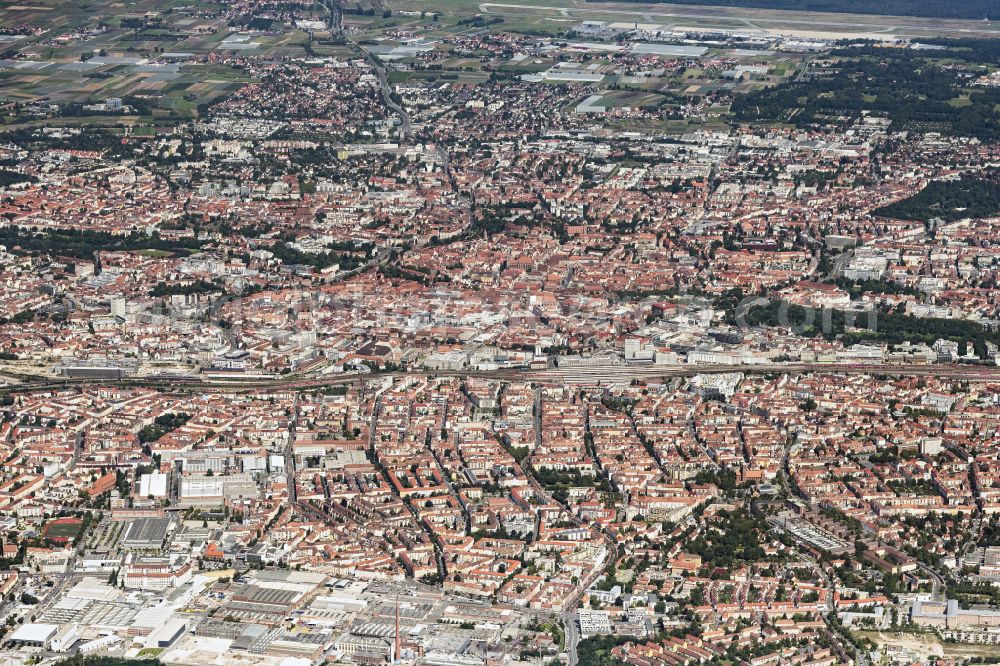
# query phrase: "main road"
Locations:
[[336, 25]]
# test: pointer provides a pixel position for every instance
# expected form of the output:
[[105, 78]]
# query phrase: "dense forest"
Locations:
[[106, 141], [289, 255], [738, 542], [162, 425], [949, 200], [8, 178], [899, 84], [596, 651], [857, 288], [980, 51], [81, 660], [969, 9], [180, 288], [81, 244], [887, 327]]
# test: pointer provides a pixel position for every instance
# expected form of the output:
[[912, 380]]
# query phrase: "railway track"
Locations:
[[594, 375]]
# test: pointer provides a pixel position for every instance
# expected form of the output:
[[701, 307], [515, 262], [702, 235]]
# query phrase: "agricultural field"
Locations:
[[171, 61], [170, 58]]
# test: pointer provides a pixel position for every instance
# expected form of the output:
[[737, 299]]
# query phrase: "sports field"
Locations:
[[63, 529]]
